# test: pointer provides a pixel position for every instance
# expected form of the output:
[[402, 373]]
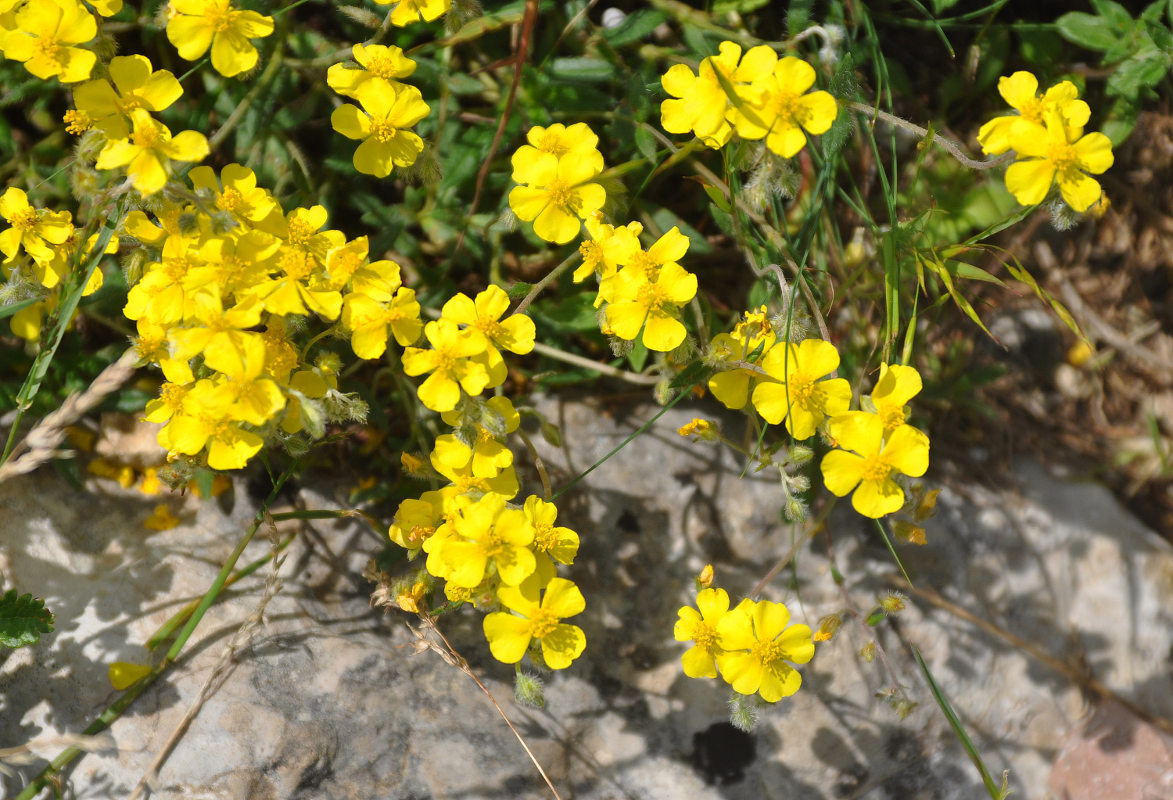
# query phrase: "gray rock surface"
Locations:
[[330, 699]]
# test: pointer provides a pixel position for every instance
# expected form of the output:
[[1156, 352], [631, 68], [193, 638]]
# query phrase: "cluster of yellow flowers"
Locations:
[[488, 553], [788, 382], [228, 280], [37, 248], [389, 108], [760, 96], [1049, 143], [556, 169], [639, 289], [752, 645]]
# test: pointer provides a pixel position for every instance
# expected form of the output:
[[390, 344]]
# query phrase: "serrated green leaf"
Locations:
[[23, 618], [1143, 69], [1112, 12], [1087, 30], [1121, 120]]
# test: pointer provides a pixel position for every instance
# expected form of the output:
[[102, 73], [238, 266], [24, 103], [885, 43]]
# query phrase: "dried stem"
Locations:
[[455, 659], [42, 442]]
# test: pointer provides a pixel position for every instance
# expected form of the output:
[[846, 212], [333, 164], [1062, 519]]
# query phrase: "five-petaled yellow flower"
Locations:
[[700, 103], [869, 459], [1049, 155], [700, 626], [148, 151], [387, 112], [759, 643], [560, 192], [510, 635], [196, 25], [1020, 91], [780, 112], [45, 39], [797, 393]]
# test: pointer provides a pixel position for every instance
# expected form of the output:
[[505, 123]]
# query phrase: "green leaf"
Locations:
[[694, 373], [1086, 30], [992, 788], [876, 617], [635, 27], [646, 143], [970, 272], [1143, 69], [581, 68], [1121, 119], [576, 313], [638, 357], [740, 6], [23, 619], [1112, 12], [12, 308]]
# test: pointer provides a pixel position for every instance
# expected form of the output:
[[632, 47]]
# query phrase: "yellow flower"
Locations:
[[488, 535], [759, 643], [1020, 90], [780, 111], [700, 628], [510, 636], [148, 151], [371, 321], [799, 395], [382, 125], [375, 61], [136, 85], [607, 248], [44, 38], [551, 542], [896, 386], [236, 192], [699, 103], [450, 362], [483, 318], [196, 25], [1050, 154], [651, 304], [560, 141], [559, 193], [750, 340], [409, 11], [221, 335], [868, 468], [704, 430], [207, 419], [32, 228]]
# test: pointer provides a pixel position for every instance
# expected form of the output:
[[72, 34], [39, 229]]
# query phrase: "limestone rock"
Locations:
[[330, 699]]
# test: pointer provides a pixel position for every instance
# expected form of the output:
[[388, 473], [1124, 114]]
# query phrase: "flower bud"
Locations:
[[828, 627], [528, 690]]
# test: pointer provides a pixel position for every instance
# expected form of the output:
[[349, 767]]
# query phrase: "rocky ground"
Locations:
[[1042, 608]]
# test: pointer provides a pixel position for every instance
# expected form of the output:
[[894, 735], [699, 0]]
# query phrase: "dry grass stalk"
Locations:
[[43, 442]]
